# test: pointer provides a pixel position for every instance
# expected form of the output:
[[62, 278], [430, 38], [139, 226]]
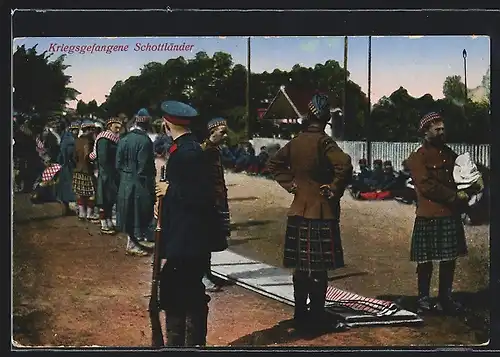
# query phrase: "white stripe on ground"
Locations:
[[276, 283]]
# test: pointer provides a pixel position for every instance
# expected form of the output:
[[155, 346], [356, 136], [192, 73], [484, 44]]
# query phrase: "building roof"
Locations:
[[288, 104]]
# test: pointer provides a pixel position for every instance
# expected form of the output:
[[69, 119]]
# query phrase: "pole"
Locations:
[[344, 94], [464, 54], [368, 114], [248, 127]]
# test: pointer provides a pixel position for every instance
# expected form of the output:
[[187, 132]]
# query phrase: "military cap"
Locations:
[[86, 123], [142, 116], [113, 120], [178, 113], [74, 125], [427, 119], [362, 161], [319, 106], [388, 163], [377, 162], [216, 122]]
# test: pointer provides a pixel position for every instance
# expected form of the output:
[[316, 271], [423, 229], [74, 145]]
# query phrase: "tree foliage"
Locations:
[[454, 89], [217, 87], [40, 85]]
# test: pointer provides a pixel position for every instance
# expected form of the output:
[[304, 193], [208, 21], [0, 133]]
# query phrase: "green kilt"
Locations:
[[438, 238], [313, 244], [84, 184]]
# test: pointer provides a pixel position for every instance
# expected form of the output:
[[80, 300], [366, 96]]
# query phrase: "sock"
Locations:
[[90, 211], [104, 224], [109, 221], [81, 207]]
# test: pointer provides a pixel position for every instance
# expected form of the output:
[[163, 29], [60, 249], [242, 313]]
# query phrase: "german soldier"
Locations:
[[136, 192], [211, 146], [104, 153], [438, 232], [188, 213], [84, 181], [316, 171]]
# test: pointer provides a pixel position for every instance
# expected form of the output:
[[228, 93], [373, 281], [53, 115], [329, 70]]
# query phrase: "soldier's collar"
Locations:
[[314, 129]]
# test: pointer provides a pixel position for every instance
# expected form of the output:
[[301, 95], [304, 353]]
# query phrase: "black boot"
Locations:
[[300, 292], [196, 326], [317, 296], [424, 275], [446, 304], [176, 328]]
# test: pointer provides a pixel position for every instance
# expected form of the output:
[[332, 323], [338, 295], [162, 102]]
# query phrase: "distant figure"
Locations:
[[107, 180], [403, 189], [84, 181], [377, 176], [136, 193], [64, 188], [388, 177], [218, 133]]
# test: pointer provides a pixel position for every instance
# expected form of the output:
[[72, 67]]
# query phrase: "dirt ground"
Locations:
[[74, 287]]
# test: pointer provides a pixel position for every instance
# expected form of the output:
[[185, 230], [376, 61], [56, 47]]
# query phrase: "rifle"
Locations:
[[154, 309]]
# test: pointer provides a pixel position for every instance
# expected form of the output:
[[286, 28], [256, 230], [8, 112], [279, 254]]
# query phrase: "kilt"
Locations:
[[437, 239], [313, 244], [84, 184]]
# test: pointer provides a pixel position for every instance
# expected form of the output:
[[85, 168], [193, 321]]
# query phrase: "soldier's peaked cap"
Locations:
[[178, 113]]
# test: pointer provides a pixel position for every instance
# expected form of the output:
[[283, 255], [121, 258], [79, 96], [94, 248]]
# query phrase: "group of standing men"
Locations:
[[195, 211]]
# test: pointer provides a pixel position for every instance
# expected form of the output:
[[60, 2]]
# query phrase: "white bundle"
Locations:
[[465, 174]]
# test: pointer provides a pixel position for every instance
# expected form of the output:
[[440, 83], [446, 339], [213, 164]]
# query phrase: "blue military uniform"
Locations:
[[188, 213], [64, 187], [136, 191]]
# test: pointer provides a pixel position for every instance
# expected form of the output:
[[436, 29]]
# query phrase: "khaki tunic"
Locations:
[[83, 147], [298, 162], [216, 171], [432, 173]]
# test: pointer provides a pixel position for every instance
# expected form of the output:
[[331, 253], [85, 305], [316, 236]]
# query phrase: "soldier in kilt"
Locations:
[[84, 180], [438, 232], [211, 147], [107, 180], [316, 171]]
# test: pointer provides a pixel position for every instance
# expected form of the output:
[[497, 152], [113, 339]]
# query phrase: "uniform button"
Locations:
[[434, 166]]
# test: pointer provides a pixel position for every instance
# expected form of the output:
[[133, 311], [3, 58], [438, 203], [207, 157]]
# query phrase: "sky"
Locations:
[[418, 63]]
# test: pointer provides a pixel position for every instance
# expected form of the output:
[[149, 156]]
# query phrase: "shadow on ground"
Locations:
[[239, 199], [248, 224], [281, 333], [476, 314], [235, 242]]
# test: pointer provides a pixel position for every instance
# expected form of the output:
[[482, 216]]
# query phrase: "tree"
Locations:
[[486, 82], [81, 108], [40, 85], [454, 89]]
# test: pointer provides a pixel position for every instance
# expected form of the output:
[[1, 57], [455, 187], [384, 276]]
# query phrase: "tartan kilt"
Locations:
[[84, 184], [437, 238], [313, 244]]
